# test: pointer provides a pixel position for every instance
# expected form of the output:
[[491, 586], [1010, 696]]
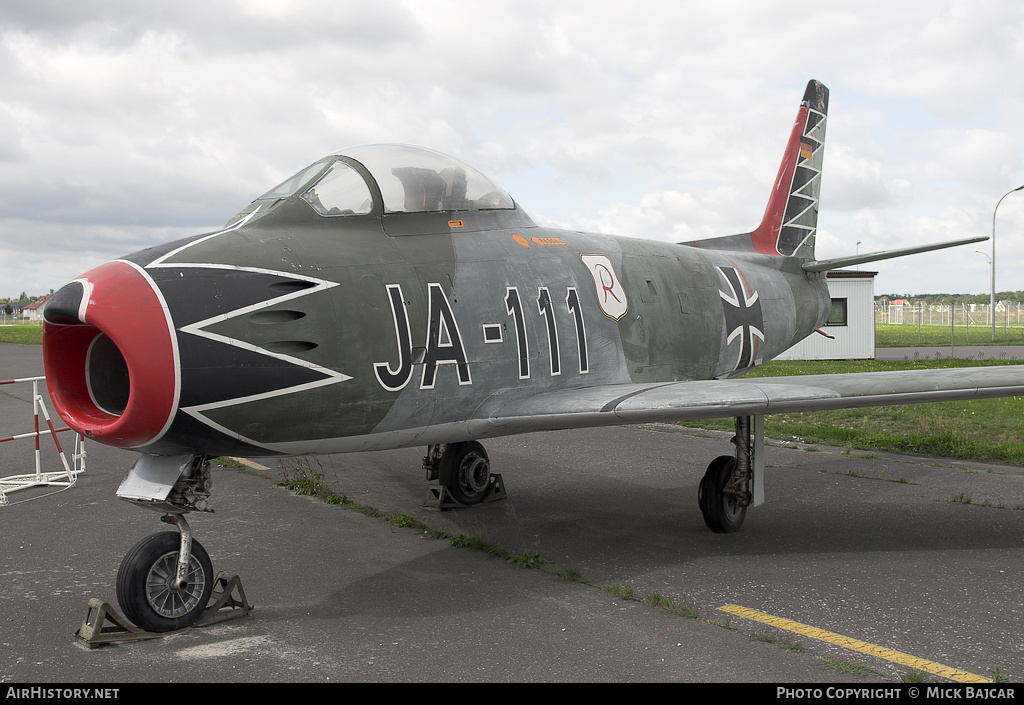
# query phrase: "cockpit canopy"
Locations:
[[408, 179]]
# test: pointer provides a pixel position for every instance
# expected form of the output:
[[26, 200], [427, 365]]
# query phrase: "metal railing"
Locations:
[[61, 478]]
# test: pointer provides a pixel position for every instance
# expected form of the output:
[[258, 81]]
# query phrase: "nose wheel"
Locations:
[[157, 591]]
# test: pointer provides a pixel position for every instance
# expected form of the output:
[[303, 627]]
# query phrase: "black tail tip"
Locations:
[[816, 96]]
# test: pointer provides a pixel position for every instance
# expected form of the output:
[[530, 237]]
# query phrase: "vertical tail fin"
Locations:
[[790, 221]]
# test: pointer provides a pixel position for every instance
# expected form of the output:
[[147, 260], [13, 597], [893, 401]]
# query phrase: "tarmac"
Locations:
[[915, 556]]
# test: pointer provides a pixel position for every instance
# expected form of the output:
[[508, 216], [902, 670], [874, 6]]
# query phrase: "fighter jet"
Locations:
[[391, 296]]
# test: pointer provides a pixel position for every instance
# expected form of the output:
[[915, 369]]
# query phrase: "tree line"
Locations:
[[954, 298]]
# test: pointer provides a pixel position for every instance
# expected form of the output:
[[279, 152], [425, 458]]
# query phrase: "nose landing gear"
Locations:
[[164, 581]]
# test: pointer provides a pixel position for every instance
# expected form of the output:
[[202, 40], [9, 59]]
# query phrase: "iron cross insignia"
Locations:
[[743, 317]]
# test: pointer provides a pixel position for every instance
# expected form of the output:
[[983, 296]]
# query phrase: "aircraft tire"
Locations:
[[144, 584], [722, 514], [466, 472]]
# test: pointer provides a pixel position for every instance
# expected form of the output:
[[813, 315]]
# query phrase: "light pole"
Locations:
[[991, 307], [992, 294]]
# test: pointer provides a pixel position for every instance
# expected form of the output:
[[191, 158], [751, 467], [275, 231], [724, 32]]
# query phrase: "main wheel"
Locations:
[[722, 512], [146, 584], [465, 471]]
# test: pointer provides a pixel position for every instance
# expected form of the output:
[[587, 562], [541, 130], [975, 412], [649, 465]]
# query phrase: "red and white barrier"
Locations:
[[61, 478]]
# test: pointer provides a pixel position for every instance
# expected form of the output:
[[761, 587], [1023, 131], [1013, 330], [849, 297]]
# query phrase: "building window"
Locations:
[[838, 315]]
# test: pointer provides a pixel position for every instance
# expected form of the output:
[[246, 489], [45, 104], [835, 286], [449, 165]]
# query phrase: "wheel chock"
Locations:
[[103, 624], [95, 630], [225, 605], [438, 496]]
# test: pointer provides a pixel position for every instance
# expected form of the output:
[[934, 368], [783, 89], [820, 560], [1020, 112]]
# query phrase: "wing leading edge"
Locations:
[[679, 401]]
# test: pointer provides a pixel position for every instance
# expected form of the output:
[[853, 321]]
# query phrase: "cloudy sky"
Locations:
[[124, 124]]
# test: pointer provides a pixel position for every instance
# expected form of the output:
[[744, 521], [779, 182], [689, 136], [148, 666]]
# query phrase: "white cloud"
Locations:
[[122, 122]]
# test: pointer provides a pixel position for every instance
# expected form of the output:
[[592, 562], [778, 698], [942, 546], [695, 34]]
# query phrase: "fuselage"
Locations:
[[291, 332]]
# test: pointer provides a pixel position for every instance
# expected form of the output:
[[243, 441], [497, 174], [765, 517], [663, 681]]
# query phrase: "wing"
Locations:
[[678, 401]]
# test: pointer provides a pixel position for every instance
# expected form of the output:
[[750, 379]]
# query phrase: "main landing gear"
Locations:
[[734, 482], [463, 475]]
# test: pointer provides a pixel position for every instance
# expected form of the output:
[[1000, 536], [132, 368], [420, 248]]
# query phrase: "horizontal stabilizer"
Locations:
[[824, 265]]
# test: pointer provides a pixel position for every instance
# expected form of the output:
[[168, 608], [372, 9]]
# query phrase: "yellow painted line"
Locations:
[[919, 664], [251, 464]]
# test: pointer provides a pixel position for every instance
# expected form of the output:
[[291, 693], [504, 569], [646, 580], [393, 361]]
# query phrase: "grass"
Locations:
[[24, 333], [788, 644], [998, 676], [304, 476], [658, 600], [844, 666], [987, 430], [914, 676], [877, 476], [620, 590], [907, 336]]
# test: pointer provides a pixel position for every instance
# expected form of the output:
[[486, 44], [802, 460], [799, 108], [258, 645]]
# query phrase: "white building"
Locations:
[[852, 325], [34, 311]]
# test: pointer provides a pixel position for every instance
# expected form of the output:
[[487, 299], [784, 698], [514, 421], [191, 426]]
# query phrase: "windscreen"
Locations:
[[292, 184]]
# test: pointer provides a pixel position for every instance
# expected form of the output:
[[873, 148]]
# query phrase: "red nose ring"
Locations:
[[110, 356]]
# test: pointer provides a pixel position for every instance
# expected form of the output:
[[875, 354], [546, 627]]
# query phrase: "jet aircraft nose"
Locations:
[[110, 356]]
